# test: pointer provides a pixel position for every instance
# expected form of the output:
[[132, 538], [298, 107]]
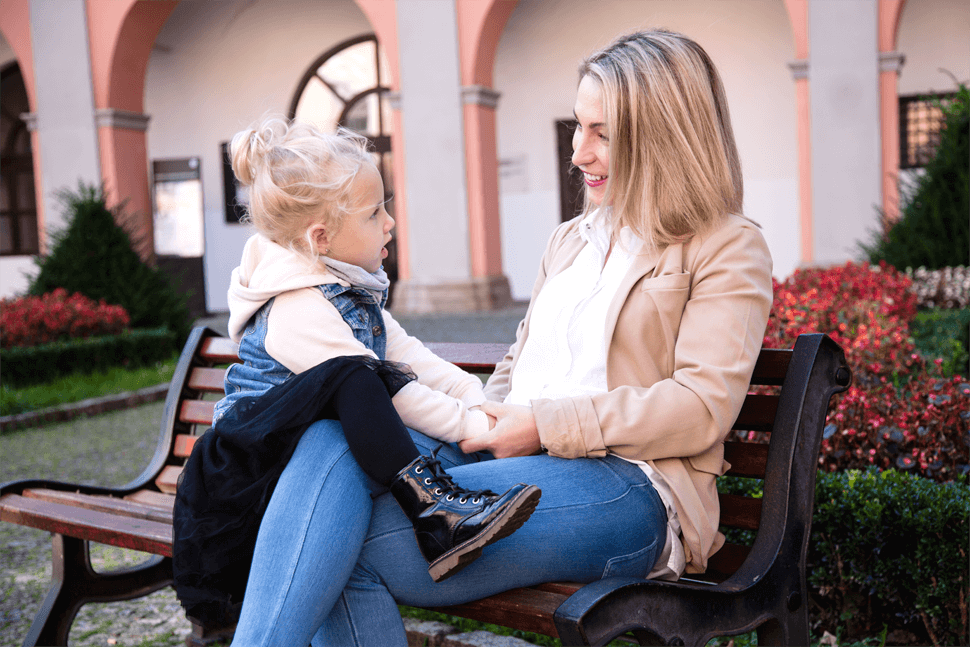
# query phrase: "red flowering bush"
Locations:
[[923, 427], [866, 309], [900, 412], [55, 316]]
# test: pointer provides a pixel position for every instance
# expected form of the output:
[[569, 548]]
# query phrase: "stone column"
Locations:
[[439, 274], [66, 134], [845, 130]]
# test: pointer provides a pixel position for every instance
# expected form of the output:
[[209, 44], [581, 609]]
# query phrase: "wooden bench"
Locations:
[[762, 587]]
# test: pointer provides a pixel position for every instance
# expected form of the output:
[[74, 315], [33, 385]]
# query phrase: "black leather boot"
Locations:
[[453, 524]]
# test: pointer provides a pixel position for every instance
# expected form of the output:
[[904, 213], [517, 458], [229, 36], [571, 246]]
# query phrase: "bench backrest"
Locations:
[[198, 384]]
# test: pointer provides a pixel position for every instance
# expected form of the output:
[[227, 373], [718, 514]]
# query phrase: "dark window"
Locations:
[[570, 177], [18, 204], [920, 122]]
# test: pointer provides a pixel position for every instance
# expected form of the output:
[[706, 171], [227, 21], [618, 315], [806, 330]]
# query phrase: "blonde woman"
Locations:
[[626, 374]]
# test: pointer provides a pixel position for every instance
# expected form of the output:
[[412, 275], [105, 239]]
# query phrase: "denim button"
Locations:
[[376, 330]]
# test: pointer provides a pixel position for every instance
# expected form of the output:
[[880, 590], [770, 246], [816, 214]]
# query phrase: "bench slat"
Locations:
[[771, 366], [92, 525], [167, 480], [746, 459], [726, 561], [474, 358], [197, 412], [113, 505], [208, 380], [153, 498], [740, 511], [184, 444], [220, 350], [526, 609], [757, 412]]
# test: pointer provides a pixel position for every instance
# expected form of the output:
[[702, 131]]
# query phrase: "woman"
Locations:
[[627, 372]]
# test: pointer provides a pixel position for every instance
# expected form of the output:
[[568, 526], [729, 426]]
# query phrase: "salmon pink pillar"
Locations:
[[480, 25], [798, 14], [382, 16], [890, 62], [121, 36]]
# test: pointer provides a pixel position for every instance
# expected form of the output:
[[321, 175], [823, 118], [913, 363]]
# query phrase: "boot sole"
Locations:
[[516, 513]]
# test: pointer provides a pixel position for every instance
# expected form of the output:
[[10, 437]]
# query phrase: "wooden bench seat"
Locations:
[[761, 586]]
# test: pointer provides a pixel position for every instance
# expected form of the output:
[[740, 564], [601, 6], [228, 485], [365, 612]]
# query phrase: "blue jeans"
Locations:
[[331, 563]]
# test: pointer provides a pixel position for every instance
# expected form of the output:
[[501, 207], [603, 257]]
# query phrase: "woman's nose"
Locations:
[[581, 152]]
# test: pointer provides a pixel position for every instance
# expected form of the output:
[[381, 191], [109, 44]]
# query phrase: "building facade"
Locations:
[[468, 104]]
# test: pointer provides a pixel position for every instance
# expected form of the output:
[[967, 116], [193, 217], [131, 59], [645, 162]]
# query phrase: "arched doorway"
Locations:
[[18, 207], [347, 86]]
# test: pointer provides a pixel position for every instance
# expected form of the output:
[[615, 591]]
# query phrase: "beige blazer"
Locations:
[[683, 333]]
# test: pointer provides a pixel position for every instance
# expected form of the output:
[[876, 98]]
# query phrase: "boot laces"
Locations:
[[446, 486]]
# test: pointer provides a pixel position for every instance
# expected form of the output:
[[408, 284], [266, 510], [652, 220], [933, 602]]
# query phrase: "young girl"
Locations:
[[306, 307]]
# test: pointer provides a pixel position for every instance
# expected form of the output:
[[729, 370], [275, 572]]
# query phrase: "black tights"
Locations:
[[375, 433]]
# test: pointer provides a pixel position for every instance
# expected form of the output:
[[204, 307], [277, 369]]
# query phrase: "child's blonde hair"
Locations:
[[297, 176]]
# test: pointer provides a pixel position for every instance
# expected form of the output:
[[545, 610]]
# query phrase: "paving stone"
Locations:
[[483, 639], [427, 633]]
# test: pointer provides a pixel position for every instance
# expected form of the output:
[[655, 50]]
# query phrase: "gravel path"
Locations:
[[110, 449]]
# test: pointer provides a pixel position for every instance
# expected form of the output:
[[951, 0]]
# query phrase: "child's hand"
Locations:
[[491, 419], [515, 432]]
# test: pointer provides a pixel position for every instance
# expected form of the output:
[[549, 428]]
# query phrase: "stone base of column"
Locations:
[[421, 296]]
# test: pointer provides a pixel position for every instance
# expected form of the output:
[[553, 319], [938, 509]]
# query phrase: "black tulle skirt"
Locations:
[[228, 480]]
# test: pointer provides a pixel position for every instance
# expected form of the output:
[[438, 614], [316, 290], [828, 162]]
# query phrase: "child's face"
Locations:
[[361, 238]]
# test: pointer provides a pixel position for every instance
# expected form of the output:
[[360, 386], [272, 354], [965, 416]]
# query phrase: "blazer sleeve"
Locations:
[[716, 345]]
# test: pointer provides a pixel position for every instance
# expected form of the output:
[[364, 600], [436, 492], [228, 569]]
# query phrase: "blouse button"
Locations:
[[376, 330]]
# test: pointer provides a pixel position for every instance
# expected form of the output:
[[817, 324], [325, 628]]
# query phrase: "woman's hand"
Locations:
[[515, 432]]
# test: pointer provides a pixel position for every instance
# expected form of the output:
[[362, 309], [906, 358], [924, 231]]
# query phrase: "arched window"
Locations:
[[346, 86], [18, 205]]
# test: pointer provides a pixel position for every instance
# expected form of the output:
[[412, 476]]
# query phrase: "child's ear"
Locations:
[[320, 239]]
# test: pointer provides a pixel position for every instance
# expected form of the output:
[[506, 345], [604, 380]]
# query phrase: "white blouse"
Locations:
[[565, 353]]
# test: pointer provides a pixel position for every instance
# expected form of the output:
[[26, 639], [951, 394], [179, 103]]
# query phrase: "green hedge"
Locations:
[[24, 366], [888, 553], [944, 334]]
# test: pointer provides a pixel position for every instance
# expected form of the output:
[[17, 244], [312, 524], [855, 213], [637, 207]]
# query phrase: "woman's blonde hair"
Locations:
[[297, 176], [674, 167]]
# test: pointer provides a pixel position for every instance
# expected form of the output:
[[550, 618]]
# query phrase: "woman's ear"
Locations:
[[319, 239]]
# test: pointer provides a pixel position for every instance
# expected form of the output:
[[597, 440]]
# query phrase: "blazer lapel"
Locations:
[[642, 265]]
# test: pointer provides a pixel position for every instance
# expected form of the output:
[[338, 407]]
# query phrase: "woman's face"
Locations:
[[591, 143]]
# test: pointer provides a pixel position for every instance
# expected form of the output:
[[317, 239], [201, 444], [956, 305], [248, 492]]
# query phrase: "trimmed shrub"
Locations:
[[888, 554], [55, 316], [26, 365], [890, 549], [933, 230], [944, 334], [93, 255]]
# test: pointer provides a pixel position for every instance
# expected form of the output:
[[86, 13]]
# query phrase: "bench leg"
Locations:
[[74, 583]]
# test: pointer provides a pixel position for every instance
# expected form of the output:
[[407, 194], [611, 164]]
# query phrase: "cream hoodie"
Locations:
[[304, 329]]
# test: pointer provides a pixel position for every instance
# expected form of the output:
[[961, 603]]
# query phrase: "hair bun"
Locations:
[[250, 148]]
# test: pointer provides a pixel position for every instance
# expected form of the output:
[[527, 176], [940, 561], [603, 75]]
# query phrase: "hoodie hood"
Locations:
[[266, 270]]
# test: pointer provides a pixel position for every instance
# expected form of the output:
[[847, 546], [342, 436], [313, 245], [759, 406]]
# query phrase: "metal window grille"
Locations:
[[920, 123]]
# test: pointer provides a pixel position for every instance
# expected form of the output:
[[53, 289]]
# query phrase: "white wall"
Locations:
[[535, 71], [216, 68], [934, 35]]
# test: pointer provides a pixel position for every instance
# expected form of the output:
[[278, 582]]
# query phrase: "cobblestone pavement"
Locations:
[[110, 449]]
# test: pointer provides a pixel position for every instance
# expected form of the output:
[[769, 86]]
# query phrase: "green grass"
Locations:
[[77, 387]]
